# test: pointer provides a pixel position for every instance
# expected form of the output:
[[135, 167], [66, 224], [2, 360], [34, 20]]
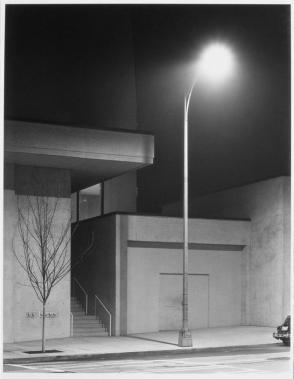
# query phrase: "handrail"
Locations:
[[71, 324], [85, 293], [107, 311]]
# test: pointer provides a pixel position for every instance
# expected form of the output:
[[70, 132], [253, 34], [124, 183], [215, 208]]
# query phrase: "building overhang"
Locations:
[[91, 155]]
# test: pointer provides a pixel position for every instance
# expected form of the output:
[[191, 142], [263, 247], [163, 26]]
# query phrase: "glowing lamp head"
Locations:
[[216, 62]]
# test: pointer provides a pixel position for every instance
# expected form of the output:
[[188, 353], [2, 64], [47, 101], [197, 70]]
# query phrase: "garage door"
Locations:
[[170, 301]]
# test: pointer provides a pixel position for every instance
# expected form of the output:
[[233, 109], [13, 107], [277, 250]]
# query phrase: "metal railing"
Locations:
[[84, 293], [105, 316]]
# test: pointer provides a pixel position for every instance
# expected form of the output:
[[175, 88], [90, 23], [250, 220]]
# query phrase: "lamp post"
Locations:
[[215, 63], [185, 337]]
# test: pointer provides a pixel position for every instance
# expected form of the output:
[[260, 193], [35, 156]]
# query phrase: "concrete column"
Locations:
[[121, 274]]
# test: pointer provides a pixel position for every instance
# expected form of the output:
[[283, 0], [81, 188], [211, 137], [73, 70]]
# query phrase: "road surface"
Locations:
[[271, 359]]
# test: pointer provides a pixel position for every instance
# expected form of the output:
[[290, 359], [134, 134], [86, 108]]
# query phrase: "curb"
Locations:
[[134, 354]]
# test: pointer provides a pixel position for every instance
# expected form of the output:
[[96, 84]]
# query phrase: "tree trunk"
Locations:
[[43, 329]]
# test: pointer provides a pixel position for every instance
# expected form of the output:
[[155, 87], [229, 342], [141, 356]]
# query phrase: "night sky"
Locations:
[[130, 66]]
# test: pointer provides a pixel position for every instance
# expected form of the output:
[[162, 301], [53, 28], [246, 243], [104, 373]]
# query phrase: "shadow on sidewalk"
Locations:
[[150, 339]]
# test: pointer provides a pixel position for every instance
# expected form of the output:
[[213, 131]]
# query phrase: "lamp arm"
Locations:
[[188, 96]]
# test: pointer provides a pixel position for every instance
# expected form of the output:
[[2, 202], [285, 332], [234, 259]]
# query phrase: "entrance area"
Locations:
[[170, 301]]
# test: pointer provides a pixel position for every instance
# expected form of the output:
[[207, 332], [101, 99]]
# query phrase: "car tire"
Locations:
[[286, 341]]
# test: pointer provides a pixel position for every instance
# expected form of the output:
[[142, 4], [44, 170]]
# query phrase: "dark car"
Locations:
[[284, 331]]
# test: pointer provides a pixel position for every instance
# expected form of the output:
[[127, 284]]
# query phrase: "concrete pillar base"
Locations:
[[185, 338]]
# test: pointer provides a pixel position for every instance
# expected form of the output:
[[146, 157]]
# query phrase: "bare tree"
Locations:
[[43, 252]]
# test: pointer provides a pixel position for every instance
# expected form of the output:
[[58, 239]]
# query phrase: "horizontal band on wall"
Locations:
[[181, 274], [179, 245]]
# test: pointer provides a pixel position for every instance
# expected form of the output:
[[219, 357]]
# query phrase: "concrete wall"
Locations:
[[18, 296], [9, 264], [267, 204], [287, 247], [145, 266], [130, 253], [120, 194], [205, 231], [41, 181], [216, 250], [97, 271]]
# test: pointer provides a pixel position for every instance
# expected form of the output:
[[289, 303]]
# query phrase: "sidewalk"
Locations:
[[139, 344]]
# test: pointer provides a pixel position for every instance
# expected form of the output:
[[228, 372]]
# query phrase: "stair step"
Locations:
[[89, 331], [80, 311], [87, 322], [85, 325], [85, 317], [90, 326], [78, 315], [92, 334]]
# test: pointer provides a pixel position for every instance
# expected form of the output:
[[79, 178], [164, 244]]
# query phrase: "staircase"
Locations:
[[85, 325]]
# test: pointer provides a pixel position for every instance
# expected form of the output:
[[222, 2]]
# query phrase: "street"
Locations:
[[271, 359]]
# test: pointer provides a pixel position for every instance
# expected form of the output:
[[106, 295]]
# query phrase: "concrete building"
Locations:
[[63, 160], [86, 152], [268, 262], [136, 269], [239, 266], [239, 261]]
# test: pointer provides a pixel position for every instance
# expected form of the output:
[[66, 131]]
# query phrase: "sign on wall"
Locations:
[[40, 314]]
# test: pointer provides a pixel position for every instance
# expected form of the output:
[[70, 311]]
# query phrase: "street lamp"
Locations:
[[215, 65]]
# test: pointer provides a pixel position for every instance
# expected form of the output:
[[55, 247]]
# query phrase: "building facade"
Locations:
[[268, 205], [85, 155], [239, 248], [136, 269], [53, 162]]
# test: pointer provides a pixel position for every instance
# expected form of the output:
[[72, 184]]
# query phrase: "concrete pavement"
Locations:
[[138, 344]]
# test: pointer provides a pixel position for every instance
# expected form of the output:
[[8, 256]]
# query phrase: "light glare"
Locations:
[[216, 62]]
